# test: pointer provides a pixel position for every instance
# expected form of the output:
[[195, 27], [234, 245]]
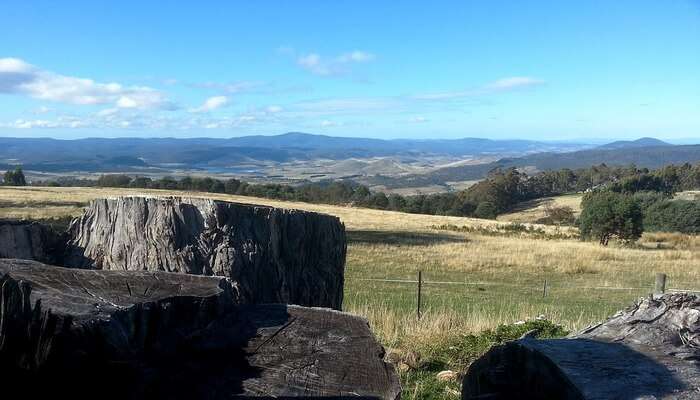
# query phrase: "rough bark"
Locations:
[[30, 240], [273, 255], [648, 351], [69, 333]]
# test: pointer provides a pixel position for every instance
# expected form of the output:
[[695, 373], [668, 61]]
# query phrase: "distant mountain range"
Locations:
[[627, 144], [391, 163], [133, 154], [644, 153]]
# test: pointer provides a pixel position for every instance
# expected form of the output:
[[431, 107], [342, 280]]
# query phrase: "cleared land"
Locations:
[[534, 210], [688, 195], [479, 273]]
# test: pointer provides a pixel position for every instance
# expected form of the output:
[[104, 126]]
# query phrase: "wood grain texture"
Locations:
[[30, 240], [648, 351], [273, 255], [140, 334]]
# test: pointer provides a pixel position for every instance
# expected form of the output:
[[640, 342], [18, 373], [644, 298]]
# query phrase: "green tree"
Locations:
[[379, 200], [396, 202], [141, 182], [114, 180], [486, 209], [673, 216], [608, 214], [15, 178], [361, 195]]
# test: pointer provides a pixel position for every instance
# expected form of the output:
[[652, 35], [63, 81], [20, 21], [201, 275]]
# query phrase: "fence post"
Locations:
[[544, 289], [420, 283], [660, 285]]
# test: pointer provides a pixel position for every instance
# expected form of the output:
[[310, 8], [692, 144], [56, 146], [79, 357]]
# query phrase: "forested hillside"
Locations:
[[652, 157], [496, 194]]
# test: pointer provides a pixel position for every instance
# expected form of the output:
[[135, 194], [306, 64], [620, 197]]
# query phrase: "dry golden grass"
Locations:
[[531, 211], [688, 195], [353, 218], [486, 279]]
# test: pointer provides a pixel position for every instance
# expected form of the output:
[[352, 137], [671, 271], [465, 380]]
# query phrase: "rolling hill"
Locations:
[[101, 154], [621, 153]]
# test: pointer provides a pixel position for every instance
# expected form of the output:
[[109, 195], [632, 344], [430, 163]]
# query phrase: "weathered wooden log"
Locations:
[[300, 352], [30, 240], [273, 255], [648, 351], [71, 333]]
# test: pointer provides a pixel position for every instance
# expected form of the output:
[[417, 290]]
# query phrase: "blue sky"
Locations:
[[560, 70]]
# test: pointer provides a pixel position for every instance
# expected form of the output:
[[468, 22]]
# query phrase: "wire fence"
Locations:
[[483, 283], [657, 286]]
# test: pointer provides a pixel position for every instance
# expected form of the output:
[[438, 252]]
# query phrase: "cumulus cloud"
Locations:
[[334, 66], [211, 104], [20, 77]]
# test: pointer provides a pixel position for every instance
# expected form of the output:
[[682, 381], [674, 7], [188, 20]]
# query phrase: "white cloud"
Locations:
[[418, 120], [42, 110], [355, 56], [445, 95], [232, 87], [328, 124], [29, 124], [61, 122], [211, 104], [318, 65], [227, 122], [274, 109], [500, 85], [514, 83], [107, 112], [20, 77], [312, 63], [349, 105]]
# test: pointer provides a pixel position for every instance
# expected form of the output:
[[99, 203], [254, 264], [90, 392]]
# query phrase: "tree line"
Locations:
[[498, 193], [14, 177], [642, 201], [619, 201]]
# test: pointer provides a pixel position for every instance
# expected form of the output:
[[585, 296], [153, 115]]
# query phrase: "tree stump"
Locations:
[[648, 351], [79, 334]]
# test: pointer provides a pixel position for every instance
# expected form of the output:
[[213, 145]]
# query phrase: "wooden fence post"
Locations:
[[420, 283], [660, 284], [544, 289]]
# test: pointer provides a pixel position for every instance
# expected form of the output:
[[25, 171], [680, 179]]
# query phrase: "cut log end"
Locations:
[[83, 334], [648, 351]]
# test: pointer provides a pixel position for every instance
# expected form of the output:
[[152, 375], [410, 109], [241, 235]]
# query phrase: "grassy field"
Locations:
[[688, 195], [479, 273], [531, 211]]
